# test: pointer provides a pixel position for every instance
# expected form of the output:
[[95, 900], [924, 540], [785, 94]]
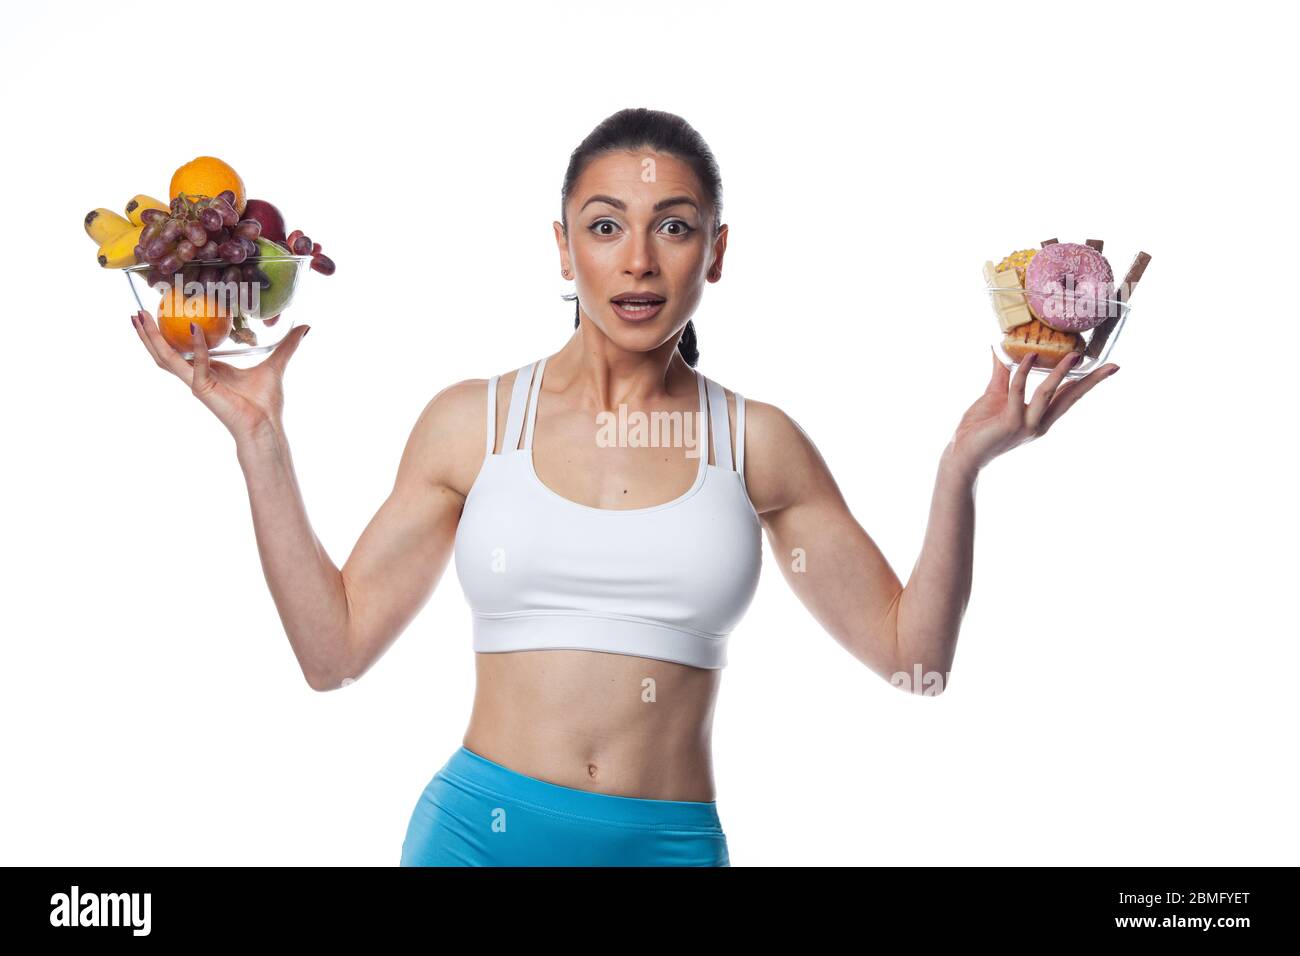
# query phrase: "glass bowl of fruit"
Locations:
[[239, 307], [198, 263], [1058, 300]]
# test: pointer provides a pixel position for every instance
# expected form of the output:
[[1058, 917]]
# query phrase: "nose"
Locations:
[[640, 259]]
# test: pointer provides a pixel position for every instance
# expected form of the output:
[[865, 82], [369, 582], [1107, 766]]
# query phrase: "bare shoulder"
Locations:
[[449, 439], [446, 441], [781, 461]]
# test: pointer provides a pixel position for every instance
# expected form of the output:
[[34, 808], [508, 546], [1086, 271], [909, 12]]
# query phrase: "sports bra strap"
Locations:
[[718, 420], [740, 437], [515, 417], [527, 385], [532, 402], [491, 414]]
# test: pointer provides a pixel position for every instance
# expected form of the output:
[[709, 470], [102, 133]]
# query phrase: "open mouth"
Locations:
[[637, 306]]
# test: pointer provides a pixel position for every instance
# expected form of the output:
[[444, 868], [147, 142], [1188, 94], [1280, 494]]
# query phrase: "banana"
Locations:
[[103, 225], [140, 203], [119, 252]]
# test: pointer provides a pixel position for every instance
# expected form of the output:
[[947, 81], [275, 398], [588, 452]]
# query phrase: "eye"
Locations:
[[682, 228]]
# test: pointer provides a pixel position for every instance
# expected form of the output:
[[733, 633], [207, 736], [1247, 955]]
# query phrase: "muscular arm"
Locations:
[[339, 622], [404, 550], [839, 573], [929, 611]]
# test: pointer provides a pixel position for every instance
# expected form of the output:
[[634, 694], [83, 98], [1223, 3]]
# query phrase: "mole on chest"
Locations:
[[613, 486]]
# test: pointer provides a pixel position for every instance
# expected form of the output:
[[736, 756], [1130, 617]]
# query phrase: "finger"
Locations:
[[998, 380], [137, 320], [1071, 392], [202, 373], [1043, 394], [139, 329], [285, 348], [163, 353], [1021, 376]]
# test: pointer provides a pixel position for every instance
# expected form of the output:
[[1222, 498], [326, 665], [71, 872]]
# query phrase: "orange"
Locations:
[[212, 314], [208, 176]]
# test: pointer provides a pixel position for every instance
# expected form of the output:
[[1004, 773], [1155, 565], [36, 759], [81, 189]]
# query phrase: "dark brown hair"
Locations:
[[643, 129]]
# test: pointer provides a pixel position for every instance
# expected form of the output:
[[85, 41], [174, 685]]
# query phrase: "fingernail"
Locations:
[[1113, 371], [192, 328], [1074, 358], [305, 331], [134, 319]]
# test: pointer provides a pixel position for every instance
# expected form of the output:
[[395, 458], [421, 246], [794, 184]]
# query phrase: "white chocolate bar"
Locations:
[[1010, 305]]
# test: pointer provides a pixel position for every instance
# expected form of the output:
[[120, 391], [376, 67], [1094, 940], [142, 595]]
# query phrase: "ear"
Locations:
[[719, 250], [562, 245]]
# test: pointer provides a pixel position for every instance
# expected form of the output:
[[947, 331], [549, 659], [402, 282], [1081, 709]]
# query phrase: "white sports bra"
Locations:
[[669, 581]]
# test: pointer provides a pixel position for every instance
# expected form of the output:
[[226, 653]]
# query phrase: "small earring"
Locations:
[[565, 273]]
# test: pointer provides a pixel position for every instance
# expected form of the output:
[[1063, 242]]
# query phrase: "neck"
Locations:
[[600, 374]]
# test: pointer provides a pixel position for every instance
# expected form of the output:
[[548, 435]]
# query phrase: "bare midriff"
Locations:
[[608, 723]]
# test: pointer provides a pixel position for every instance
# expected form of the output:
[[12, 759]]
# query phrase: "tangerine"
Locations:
[[212, 313], [208, 176]]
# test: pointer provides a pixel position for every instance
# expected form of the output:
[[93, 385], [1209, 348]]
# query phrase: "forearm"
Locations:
[[931, 606], [306, 586]]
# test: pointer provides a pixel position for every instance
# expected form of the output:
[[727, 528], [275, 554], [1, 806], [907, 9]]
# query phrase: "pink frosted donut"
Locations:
[[1068, 285]]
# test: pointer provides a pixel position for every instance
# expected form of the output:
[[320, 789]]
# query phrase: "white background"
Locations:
[[1123, 688]]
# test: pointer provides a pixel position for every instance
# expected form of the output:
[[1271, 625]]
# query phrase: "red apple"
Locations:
[[270, 218]]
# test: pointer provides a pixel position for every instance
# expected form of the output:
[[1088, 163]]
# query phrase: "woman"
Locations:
[[604, 573]]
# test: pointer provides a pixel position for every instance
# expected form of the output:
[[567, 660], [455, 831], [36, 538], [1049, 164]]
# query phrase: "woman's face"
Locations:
[[639, 223]]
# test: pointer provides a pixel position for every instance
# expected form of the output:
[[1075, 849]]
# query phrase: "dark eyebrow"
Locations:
[[660, 205]]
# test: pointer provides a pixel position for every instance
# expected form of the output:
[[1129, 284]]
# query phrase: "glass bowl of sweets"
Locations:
[[1058, 299]]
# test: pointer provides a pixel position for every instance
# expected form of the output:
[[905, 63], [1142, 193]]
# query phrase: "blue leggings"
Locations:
[[476, 812]]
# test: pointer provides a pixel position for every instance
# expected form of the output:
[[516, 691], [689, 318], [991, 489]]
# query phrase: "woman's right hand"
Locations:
[[246, 400]]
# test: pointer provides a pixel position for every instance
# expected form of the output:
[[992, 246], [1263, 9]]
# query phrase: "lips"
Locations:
[[637, 306], [638, 298]]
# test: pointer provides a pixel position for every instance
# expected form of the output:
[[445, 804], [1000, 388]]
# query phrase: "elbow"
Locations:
[[927, 678], [326, 680], [921, 666], [317, 684], [923, 683], [316, 681], [328, 684], [336, 668], [922, 662]]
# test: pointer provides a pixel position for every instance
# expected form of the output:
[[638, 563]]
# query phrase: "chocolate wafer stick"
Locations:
[[1122, 295], [1049, 242], [1095, 244]]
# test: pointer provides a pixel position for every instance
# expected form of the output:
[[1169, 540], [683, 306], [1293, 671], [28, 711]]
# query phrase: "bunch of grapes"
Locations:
[[301, 245], [203, 239]]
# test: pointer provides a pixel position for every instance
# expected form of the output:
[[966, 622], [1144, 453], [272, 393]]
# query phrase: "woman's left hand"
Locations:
[[1000, 420]]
